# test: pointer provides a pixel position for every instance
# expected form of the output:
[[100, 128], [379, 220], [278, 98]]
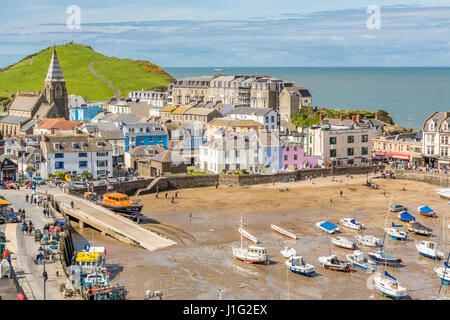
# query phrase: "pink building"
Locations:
[[294, 158]]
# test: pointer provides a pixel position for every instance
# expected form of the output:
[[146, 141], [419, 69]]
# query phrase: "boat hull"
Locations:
[[127, 210], [392, 262], [431, 256], [302, 272], [283, 232], [338, 268]]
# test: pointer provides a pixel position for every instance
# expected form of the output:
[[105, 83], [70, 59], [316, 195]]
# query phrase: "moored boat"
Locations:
[[369, 241], [344, 243], [333, 263], [418, 228], [426, 211], [250, 254], [120, 203], [246, 234], [297, 265], [327, 226], [90, 259], [384, 258], [443, 272], [351, 223], [288, 252], [397, 234], [443, 192], [389, 286], [429, 249], [358, 260], [406, 216], [283, 232]]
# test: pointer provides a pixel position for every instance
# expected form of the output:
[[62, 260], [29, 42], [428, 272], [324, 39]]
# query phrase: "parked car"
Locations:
[[397, 208], [101, 182], [11, 217], [113, 180], [2, 219], [2, 237], [38, 180]]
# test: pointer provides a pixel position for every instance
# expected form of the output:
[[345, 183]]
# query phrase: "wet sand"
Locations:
[[202, 262]]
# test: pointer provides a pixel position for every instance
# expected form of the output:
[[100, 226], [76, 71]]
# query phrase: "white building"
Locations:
[[436, 139], [270, 118], [340, 143], [77, 154]]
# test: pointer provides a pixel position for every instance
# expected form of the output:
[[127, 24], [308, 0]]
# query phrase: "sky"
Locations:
[[234, 33]]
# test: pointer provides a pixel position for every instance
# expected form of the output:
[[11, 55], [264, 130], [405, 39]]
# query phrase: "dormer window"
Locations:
[[84, 145], [75, 145], [57, 146], [431, 126], [100, 144], [445, 126]]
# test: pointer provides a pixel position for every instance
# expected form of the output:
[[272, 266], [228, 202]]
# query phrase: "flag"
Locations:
[[7, 256]]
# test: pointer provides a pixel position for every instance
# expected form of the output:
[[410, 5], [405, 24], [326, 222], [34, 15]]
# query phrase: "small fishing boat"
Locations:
[[406, 216], [397, 234], [429, 249], [283, 232], [344, 243], [384, 258], [327, 226], [419, 228], [426, 211], [333, 263], [288, 252], [250, 254], [297, 265], [351, 223], [90, 259], [358, 260], [389, 286], [368, 241], [219, 69], [443, 192], [95, 280], [120, 203]]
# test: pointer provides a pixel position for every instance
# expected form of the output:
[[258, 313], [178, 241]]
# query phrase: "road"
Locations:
[[116, 92], [24, 249]]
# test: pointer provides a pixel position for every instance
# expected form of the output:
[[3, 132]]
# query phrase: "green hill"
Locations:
[[123, 74]]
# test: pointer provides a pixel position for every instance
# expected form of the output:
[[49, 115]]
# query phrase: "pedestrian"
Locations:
[[167, 195], [71, 204], [384, 192], [26, 197], [173, 199], [341, 193], [331, 200], [176, 194], [190, 215], [156, 195]]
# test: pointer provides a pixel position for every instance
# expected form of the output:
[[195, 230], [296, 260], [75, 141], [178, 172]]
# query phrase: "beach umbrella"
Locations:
[[3, 202]]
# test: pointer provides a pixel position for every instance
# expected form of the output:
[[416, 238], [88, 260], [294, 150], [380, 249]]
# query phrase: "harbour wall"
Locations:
[[174, 182], [437, 179]]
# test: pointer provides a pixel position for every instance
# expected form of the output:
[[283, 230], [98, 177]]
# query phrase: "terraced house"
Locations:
[[77, 154], [144, 134], [436, 139]]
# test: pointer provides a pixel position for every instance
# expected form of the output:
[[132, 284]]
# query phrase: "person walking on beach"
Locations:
[[173, 199], [341, 193], [167, 195], [176, 194], [156, 195], [71, 204], [190, 215]]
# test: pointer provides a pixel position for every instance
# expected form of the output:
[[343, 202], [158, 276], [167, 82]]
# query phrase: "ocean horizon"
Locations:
[[409, 94]]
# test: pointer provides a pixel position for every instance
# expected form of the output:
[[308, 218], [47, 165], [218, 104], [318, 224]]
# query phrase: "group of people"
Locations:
[[27, 228], [167, 196], [37, 200]]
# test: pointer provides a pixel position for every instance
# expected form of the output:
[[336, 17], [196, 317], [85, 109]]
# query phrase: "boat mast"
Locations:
[[448, 259], [241, 227]]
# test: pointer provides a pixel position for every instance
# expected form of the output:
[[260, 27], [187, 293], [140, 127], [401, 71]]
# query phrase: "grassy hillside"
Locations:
[[124, 74]]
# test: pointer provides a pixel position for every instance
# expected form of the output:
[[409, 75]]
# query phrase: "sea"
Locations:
[[409, 94]]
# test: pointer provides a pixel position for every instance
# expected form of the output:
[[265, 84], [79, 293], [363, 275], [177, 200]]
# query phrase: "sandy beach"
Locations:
[[201, 262]]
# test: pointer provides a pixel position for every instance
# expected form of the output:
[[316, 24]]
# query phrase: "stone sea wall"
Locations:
[[437, 179]]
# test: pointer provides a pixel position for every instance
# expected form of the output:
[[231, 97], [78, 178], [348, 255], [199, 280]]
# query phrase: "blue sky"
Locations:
[[236, 33]]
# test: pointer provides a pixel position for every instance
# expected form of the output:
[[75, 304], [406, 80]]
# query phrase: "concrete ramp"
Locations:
[[112, 224]]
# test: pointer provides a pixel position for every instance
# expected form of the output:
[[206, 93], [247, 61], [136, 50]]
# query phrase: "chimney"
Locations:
[[353, 118], [341, 117], [357, 118], [376, 116]]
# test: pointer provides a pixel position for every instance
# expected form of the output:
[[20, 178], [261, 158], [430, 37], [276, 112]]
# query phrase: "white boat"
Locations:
[[250, 254], [327, 226], [283, 232], [429, 249], [389, 286], [288, 252], [344, 243], [368, 241], [333, 263], [358, 260], [443, 192], [297, 265], [443, 272], [351, 223], [397, 234]]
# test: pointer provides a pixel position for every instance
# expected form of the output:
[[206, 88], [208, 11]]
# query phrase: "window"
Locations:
[[59, 155], [141, 139], [444, 151], [150, 139], [364, 138], [350, 139], [83, 164], [431, 126], [75, 146], [102, 154], [82, 155], [350, 161], [287, 149], [332, 153], [84, 145], [295, 148], [295, 157], [227, 154], [237, 153], [285, 157], [101, 173], [102, 163], [59, 165], [364, 151], [350, 151], [444, 139], [159, 139], [332, 140]]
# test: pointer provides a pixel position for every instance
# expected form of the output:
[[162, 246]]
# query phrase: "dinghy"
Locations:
[[358, 260], [283, 232], [419, 228], [384, 258], [429, 249], [333, 263], [351, 223], [443, 192], [248, 235], [368, 241], [327, 226], [426, 211], [297, 265], [406, 216], [344, 243], [397, 234], [389, 286], [288, 252]]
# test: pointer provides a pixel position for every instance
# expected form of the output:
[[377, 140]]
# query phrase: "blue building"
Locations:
[[144, 134], [84, 112]]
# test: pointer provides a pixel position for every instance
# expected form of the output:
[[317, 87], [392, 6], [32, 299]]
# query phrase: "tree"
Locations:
[[59, 174], [86, 175], [30, 169]]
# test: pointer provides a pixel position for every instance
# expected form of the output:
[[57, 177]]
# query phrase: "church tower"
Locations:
[[55, 87]]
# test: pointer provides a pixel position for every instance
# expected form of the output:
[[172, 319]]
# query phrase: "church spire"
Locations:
[[54, 70]]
